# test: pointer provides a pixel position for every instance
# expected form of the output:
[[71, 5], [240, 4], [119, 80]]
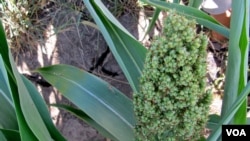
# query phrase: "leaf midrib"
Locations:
[[98, 99]]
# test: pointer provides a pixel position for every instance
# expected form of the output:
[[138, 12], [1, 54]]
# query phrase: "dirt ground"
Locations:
[[68, 41]]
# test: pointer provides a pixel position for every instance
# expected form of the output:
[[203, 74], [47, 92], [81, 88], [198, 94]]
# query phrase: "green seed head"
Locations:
[[172, 103]]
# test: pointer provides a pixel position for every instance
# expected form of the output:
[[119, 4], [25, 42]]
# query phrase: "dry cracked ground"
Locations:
[[67, 41]]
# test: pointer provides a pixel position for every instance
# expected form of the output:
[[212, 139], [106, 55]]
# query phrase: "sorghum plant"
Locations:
[[172, 103]]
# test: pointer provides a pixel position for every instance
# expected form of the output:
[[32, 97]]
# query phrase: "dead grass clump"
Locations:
[[26, 21]]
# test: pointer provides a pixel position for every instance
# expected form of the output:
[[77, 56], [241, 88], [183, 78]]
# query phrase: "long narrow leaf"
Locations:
[[152, 22], [98, 99], [248, 121], [28, 108], [31, 124], [237, 60], [81, 115], [230, 113], [2, 137], [195, 3], [25, 132], [43, 110], [213, 121], [201, 17], [176, 1], [4, 51], [5, 88], [7, 112], [129, 53], [10, 135], [241, 115]]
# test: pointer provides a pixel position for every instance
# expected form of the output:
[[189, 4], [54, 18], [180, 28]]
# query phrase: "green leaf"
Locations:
[[81, 115], [213, 121], [27, 105], [230, 113], [5, 88], [103, 103], [129, 53], [240, 116], [201, 17], [176, 1], [248, 121], [2, 137], [4, 51], [25, 132], [195, 3], [152, 22], [31, 124], [10, 135], [43, 110], [7, 112], [202, 139], [236, 74]]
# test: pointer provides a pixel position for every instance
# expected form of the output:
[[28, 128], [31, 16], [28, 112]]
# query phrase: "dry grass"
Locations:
[[18, 20], [26, 21]]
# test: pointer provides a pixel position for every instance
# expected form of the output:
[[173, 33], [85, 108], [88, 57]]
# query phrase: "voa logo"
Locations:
[[236, 132]]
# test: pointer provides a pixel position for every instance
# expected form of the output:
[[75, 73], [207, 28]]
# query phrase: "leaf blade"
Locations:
[[230, 113], [43, 110], [7, 112], [25, 132], [11, 135], [213, 121], [31, 125], [241, 115], [114, 109], [131, 62], [201, 17], [152, 22], [237, 61], [80, 114]]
